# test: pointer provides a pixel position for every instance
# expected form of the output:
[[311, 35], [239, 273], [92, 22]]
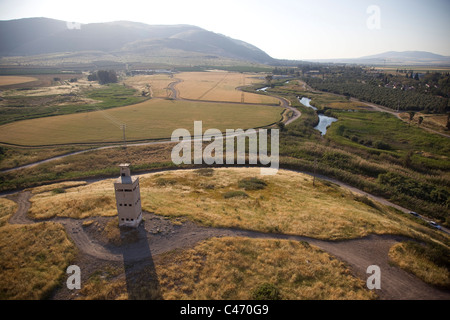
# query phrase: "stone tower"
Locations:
[[128, 198]]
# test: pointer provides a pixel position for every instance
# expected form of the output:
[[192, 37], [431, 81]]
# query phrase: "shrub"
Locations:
[[252, 184], [58, 190], [206, 172], [235, 194], [266, 291], [381, 145], [366, 201], [163, 182]]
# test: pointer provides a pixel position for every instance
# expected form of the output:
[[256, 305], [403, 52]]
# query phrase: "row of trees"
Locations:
[[103, 76], [394, 99]]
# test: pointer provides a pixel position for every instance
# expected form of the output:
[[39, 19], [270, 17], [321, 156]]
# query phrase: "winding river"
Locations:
[[324, 121]]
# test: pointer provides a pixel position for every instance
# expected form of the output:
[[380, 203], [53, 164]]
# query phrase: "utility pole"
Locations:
[[124, 126], [315, 170]]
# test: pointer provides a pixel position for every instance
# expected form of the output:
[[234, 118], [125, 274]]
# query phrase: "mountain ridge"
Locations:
[[37, 36], [395, 58]]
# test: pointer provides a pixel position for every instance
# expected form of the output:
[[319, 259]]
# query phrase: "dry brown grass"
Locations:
[[234, 268], [7, 208], [56, 187], [33, 260], [220, 86], [152, 119], [157, 85], [408, 257], [289, 204], [79, 202]]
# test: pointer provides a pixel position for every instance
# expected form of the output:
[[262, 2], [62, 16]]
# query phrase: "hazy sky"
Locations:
[[288, 29]]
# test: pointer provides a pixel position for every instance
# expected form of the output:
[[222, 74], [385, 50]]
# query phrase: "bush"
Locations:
[[366, 201], [235, 194], [266, 291], [163, 182], [252, 184], [206, 172], [58, 190], [381, 145]]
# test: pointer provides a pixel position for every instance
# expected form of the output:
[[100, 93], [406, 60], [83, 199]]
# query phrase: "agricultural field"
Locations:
[[221, 86], [63, 97], [152, 119], [156, 86], [10, 80]]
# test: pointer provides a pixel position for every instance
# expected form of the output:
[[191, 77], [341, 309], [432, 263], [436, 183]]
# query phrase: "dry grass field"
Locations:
[[152, 119], [7, 207], [239, 269], [157, 85], [221, 86], [33, 258], [62, 87], [288, 204], [10, 80], [413, 258]]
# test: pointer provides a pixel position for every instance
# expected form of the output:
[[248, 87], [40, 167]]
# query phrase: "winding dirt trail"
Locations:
[[161, 235]]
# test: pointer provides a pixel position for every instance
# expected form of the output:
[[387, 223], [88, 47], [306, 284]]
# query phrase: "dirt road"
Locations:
[[158, 235]]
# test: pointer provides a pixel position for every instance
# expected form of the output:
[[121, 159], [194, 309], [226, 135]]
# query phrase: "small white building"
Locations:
[[128, 198]]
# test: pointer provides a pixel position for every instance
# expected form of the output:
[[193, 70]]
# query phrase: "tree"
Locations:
[[420, 120], [269, 79], [448, 121], [411, 116], [103, 76], [281, 126], [92, 77]]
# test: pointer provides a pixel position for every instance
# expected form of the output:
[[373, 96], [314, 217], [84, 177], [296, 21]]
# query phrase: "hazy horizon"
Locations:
[[287, 29]]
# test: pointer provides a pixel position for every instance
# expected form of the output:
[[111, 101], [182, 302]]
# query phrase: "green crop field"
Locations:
[[152, 119]]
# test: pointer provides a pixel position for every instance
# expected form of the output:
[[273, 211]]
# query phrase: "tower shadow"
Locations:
[[140, 272]]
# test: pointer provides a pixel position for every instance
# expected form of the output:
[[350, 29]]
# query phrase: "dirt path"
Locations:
[[161, 235]]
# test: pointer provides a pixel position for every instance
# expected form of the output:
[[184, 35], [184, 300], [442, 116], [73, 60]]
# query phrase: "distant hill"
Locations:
[[397, 58], [36, 36]]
